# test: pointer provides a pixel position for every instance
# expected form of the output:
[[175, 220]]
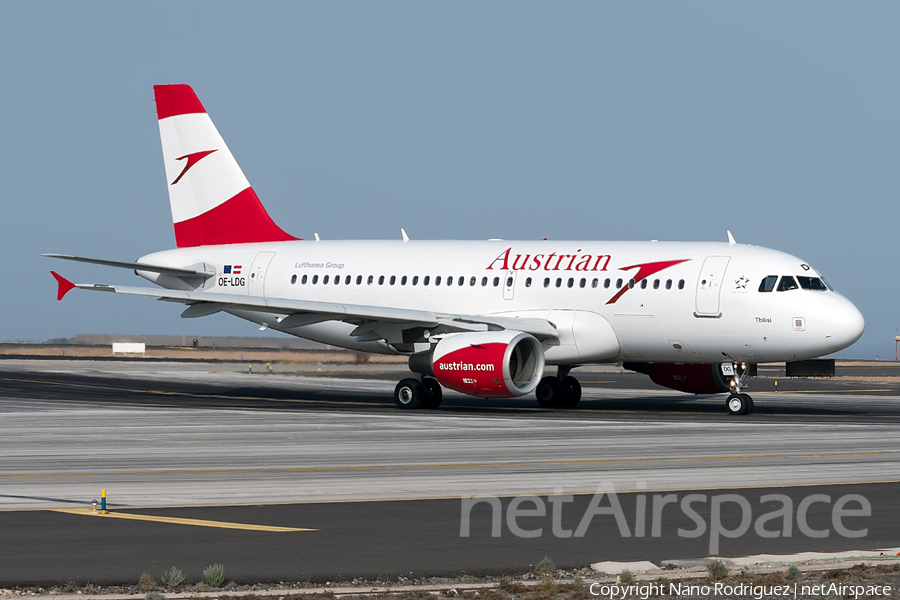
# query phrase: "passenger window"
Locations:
[[559, 282], [315, 279], [462, 281], [643, 284], [528, 282], [437, 280], [381, 280], [618, 284], [571, 282], [631, 284], [325, 280], [472, 281], [582, 283], [509, 282], [450, 280], [595, 283], [403, 280], [293, 279], [811, 283], [426, 280], [786, 284], [546, 282], [681, 284], [768, 283], [303, 280], [496, 281], [415, 280], [483, 281], [359, 280], [606, 283], [393, 279], [371, 279], [668, 284], [347, 280], [656, 284]]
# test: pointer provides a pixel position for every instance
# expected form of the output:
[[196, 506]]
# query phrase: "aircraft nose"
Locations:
[[844, 324]]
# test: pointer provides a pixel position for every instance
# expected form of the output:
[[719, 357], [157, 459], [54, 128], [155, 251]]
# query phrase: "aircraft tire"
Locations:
[[749, 408], [573, 392], [550, 392], [409, 394], [737, 404], [433, 393]]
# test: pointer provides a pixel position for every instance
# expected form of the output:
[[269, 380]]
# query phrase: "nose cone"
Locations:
[[844, 324]]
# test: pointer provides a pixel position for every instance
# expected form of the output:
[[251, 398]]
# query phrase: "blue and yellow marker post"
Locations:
[[102, 502]]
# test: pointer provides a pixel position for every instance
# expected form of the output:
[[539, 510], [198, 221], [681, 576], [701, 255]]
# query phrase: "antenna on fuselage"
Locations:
[[317, 236], [731, 241], [403, 233]]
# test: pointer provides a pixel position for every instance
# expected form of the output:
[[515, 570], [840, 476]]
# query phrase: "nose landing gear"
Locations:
[[737, 402]]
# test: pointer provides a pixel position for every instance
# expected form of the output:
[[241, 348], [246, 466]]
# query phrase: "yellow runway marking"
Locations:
[[178, 521], [587, 461]]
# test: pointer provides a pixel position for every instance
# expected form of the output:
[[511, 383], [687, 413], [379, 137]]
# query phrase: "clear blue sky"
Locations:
[[579, 120]]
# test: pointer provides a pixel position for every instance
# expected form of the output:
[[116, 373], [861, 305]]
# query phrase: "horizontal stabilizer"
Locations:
[[134, 266], [63, 285]]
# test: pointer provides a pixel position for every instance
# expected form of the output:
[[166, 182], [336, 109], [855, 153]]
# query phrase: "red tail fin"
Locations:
[[211, 200]]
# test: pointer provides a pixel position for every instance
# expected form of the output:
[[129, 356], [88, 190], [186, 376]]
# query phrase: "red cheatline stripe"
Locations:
[[240, 220], [176, 99], [644, 271]]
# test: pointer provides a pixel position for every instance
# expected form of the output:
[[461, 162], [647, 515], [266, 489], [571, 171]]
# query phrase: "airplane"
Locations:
[[480, 317]]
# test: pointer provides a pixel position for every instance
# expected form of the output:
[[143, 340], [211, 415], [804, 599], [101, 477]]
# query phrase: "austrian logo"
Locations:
[[192, 159], [507, 261]]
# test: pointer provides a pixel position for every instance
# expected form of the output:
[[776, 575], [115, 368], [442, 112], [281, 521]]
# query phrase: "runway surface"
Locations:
[[211, 442]]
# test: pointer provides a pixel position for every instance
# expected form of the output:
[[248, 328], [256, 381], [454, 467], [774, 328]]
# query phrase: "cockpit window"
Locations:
[[811, 283], [768, 283], [787, 283]]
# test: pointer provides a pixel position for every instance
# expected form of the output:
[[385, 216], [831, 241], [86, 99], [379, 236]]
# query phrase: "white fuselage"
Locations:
[[701, 305]]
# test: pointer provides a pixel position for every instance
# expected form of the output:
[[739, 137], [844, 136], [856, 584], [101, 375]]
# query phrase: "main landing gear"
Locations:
[[738, 403], [412, 393], [559, 391]]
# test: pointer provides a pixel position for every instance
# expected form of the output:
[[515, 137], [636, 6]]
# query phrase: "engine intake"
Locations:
[[487, 364]]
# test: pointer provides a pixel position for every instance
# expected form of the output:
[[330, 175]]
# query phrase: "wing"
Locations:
[[373, 322]]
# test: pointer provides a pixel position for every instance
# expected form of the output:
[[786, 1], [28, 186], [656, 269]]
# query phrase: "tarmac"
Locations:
[[306, 474]]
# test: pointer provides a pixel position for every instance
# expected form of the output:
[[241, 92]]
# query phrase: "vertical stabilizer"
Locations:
[[211, 200]]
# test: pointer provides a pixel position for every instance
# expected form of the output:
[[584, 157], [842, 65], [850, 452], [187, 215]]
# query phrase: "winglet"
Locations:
[[64, 285]]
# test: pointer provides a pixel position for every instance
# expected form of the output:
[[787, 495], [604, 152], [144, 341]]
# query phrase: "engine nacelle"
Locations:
[[488, 364], [684, 377]]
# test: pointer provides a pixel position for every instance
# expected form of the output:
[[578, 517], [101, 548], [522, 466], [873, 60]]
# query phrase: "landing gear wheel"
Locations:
[[573, 392], [739, 404], [433, 393], [409, 393], [550, 392]]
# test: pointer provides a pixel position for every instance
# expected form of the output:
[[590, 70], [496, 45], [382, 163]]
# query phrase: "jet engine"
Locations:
[[684, 377], [487, 364]]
